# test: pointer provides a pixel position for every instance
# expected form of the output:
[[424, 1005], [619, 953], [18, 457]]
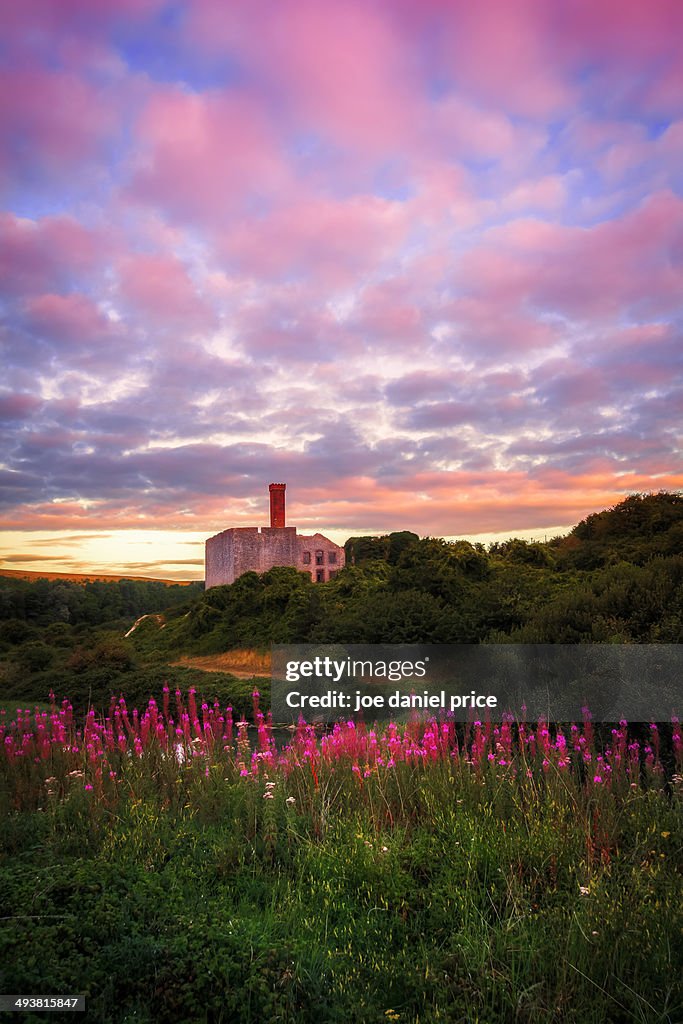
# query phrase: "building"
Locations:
[[258, 548]]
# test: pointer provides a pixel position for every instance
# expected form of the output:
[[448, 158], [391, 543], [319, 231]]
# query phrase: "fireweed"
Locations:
[[425, 871], [47, 754]]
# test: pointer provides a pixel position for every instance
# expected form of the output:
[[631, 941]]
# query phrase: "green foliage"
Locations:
[[639, 528], [409, 616], [35, 656], [617, 578], [388, 548], [403, 589], [43, 602], [523, 552], [420, 894], [16, 631], [277, 607], [111, 652]]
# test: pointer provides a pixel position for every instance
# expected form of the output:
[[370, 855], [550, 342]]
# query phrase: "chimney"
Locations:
[[277, 505]]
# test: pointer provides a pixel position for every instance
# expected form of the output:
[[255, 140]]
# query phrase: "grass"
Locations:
[[323, 884]]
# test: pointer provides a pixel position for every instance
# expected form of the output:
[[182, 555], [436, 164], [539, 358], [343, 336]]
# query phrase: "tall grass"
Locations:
[[176, 864]]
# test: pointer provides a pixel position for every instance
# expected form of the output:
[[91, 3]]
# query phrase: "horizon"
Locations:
[[423, 261], [163, 568]]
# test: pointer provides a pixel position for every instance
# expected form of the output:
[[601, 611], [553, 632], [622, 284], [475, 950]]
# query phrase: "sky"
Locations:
[[422, 260]]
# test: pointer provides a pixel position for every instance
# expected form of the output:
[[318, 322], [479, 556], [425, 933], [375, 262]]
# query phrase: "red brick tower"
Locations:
[[277, 505]]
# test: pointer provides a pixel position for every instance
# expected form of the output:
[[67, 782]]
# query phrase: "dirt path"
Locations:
[[242, 664]]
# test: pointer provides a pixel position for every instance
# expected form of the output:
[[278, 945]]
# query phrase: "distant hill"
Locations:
[[616, 578], [77, 577], [638, 529]]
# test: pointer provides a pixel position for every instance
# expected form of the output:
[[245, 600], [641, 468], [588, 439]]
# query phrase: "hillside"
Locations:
[[78, 577], [617, 578]]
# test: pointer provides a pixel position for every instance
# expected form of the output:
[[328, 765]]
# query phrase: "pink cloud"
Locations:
[[201, 155], [342, 70], [335, 242], [36, 255], [340, 192], [534, 59], [547, 193], [664, 94], [18, 406], [469, 130], [620, 31], [51, 121], [385, 316], [635, 261], [159, 288], [507, 55], [566, 385], [70, 320]]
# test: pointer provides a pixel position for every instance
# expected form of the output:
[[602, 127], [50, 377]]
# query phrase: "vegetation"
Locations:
[[177, 864], [616, 578], [170, 870]]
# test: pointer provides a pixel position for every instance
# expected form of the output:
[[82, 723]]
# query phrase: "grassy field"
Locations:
[[172, 870]]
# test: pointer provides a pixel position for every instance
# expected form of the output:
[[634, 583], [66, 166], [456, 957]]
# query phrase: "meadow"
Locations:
[[175, 864]]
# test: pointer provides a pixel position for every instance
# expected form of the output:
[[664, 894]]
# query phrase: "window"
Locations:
[[320, 558], [307, 557], [320, 576], [331, 574], [332, 557]]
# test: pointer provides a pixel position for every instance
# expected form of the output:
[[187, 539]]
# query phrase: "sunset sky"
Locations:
[[420, 259]]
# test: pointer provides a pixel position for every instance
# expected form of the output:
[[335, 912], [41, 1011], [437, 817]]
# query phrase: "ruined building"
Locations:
[[258, 548]]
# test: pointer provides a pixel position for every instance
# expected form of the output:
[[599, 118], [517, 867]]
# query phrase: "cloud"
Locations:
[[31, 558], [422, 261], [43, 139], [344, 71], [18, 407], [199, 157], [44, 254], [159, 290]]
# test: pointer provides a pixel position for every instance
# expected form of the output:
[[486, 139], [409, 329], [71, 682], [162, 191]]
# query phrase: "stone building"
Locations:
[[258, 548]]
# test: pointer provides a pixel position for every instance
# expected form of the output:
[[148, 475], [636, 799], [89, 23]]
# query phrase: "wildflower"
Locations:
[[584, 890], [88, 786], [268, 795], [290, 800], [665, 835]]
